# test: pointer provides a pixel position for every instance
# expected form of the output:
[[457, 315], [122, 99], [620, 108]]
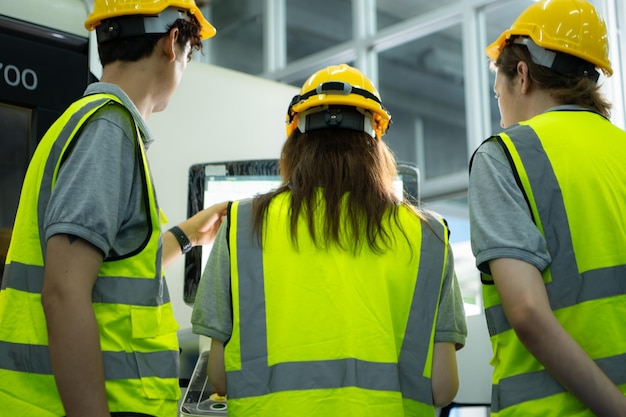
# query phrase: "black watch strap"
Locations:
[[183, 240]]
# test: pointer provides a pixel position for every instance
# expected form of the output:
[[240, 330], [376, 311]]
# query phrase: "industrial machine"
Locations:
[[42, 70], [200, 398]]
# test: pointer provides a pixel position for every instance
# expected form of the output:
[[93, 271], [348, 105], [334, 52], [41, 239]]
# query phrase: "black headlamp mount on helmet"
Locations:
[[337, 117]]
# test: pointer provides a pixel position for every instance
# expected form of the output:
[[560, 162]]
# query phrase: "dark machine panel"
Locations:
[[42, 70]]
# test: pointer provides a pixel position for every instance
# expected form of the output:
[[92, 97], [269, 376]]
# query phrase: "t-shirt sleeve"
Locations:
[[212, 311], [451, 323], [501, 225], [95, 181]]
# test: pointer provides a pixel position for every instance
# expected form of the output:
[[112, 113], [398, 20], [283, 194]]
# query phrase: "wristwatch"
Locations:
[[183, 240]]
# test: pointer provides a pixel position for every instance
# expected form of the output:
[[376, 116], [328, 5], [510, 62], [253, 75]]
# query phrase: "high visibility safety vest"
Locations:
[[328, 333], [583, 220], [130, 299]]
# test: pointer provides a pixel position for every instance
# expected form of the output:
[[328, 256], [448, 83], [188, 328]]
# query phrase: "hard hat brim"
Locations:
[[206, 29]]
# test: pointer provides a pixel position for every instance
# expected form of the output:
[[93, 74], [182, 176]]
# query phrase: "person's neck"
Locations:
[[134, 80], [540, 102]]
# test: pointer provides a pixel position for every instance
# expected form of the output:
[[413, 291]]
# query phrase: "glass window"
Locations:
[[498, 19], [421, 83], [299, 81], [619, 49], [390, 12], [313, 26], [454, 210], [621, 25], [238, 44]]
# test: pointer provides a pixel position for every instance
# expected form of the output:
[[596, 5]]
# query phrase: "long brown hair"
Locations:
[[354, 173], [566, 89]]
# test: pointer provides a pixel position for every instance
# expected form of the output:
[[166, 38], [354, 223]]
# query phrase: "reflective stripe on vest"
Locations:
[[577, 298], [540, 384], [410, 377], [107, 289], [130, 297], [35, 359]]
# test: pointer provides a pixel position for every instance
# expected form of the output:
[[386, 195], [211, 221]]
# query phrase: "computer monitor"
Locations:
[[214, 182]]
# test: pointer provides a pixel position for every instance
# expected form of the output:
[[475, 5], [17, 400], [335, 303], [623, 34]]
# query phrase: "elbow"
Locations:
[[443, 394], [531, 326], [526, 322], [50, 301]]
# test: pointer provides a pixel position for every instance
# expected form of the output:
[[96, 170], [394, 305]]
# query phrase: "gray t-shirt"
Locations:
[[212, 313], [99, 193], [500, 221]]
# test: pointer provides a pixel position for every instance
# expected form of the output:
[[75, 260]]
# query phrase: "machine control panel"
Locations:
[[201, 400]]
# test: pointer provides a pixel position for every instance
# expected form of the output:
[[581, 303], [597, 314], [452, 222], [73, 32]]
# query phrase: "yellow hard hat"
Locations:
[[106, 9], [572, 27], [339, 85]]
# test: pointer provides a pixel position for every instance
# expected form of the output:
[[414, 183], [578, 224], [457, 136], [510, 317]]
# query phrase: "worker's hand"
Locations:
[[202, 227]]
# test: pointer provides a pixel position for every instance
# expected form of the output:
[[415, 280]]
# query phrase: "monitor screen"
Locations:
[[215, 182]]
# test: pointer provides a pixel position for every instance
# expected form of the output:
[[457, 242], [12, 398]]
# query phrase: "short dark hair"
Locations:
[[134, 48]]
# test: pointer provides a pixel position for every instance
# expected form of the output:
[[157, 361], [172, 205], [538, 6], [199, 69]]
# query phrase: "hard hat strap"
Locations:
[[332, 87], [136, 25], [560, 62], [338, 117], [339, 88]]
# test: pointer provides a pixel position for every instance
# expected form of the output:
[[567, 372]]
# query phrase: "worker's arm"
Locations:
[[200, 229], [71, 270], [445, 375], [526, 306], [215, 367]]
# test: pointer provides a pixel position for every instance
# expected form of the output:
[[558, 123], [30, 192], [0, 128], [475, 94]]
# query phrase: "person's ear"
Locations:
[[523, 77], [170, 44]]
